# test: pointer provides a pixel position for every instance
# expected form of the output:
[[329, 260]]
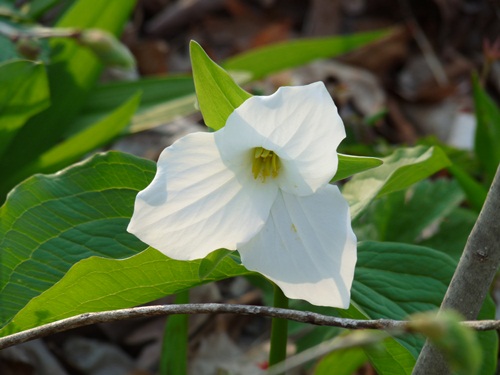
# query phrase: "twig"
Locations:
[[218, 308], [473, 276]]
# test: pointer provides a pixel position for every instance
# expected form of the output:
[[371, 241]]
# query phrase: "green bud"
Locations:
[[459, 344]]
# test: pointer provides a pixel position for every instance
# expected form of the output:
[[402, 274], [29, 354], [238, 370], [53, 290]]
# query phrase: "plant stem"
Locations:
[[175, 341], [279, 330]]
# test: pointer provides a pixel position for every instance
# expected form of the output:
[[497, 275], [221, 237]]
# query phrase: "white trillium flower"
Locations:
[[259, 185]]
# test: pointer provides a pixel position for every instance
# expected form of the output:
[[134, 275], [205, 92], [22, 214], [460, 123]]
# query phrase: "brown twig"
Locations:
[[218, 308]]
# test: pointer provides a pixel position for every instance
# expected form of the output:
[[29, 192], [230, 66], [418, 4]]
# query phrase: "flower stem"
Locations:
[[175, 341], [279, 330]]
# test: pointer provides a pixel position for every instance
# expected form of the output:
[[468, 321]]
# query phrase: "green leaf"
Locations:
[[25, 92], [350, 165], [475, 192], [159, 96], [211, 262], [72, 73], [36, 8], [74, 148], [218, 94], [400, 170], [174, 356], [49, 223], [487, 140], [394, 280], [343, 362], [403, 216], [270, 59], [98, 284]]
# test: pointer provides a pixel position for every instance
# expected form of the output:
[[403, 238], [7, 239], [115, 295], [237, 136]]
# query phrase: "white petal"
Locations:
[[307, 247], [300, 124], [196, 204]]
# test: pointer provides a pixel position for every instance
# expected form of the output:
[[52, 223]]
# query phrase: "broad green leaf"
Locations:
[[400, 170], [25, 92], [270, 59], [157, 102], [395, 280], [72, 73], [218, 94], [350, 164], [49, 223], [98, 284], [74, 148], [403, 216], [487, 141], [341, 362]]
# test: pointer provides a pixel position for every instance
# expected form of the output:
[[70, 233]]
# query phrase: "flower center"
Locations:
[[265, 163]]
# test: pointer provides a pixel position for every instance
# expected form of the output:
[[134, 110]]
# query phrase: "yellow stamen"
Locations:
[[266, 163]]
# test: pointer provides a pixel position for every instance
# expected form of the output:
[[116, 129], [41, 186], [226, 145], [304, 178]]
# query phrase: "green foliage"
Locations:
[[341, 362], [51, 222], [350, 165], [403, 216], [72, 72], [98, 284], [474, 191], [452, 233], [210, 263], [385, 270], [394, 280], [271, 59], [487, 141], [25, 92], [218, 94], [88, 196], [400, 170], [65, 248], [74, 148], [162, 100], [175, 341]]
